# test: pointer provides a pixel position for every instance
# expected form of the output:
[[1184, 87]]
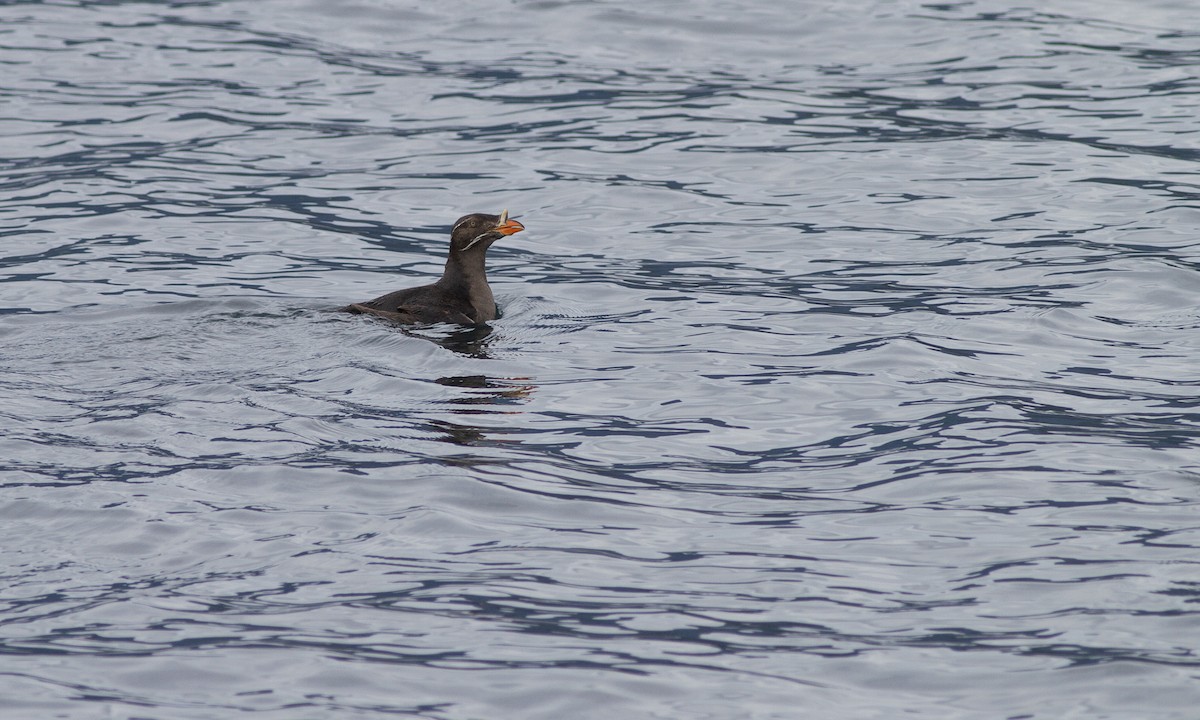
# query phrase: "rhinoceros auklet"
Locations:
[[462, 294]]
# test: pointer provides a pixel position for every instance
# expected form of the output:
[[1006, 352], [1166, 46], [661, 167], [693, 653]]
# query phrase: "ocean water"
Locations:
[[847, 365]]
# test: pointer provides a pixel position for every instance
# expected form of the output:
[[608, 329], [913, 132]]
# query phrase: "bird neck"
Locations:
[[465, 275], [465, 269]]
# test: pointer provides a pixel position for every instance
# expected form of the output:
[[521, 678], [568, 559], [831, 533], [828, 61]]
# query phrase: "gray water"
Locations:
[[847, 366]]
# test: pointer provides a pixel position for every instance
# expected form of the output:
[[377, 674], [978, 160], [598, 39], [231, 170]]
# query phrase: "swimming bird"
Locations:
[[462, 295]]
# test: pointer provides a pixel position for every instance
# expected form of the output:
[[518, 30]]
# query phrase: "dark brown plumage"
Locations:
[[462, 295]]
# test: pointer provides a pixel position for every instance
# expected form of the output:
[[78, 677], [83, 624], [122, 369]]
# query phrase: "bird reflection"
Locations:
[[487, 394], [471, 341], [499, 391], [457, 434]]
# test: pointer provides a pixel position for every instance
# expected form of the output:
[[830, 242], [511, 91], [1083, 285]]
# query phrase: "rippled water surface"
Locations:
[[847, 367]]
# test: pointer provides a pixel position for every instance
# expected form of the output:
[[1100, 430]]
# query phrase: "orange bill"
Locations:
[[508, 227]]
